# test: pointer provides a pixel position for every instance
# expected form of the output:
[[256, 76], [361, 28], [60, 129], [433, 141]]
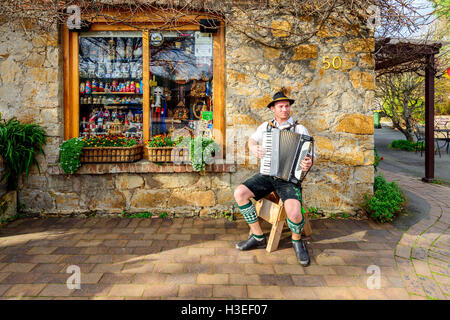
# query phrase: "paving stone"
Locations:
[[259, 269], [275, 279], [298, 293], [20, 278], [367, 294], [439, 270], [127, 290], [441, 279], [18, 267], [198, 268], [419, 253], [114, 278], [431, 288], [161, 290], [229, 268], [212, 278], [264, 292], [341, 281], [396, 294], [20, 290], [52, 278], [335, 293], [181, 278], [247, 279], [319, 270], [229, 291], [195, 291]]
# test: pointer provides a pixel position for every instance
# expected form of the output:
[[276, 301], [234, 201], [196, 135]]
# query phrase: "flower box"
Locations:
[[111, 154], [168, 154]]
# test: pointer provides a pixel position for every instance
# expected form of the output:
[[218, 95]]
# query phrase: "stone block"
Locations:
[[281, 28], [360, 45], [192, 197], [355, 123], [128, 181], [305, 52], [8, 205], [149, 198]]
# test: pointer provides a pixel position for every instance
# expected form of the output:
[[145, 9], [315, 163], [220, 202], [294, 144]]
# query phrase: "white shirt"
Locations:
[[258, 134]]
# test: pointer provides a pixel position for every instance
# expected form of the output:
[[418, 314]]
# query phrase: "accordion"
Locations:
[[284, 152]]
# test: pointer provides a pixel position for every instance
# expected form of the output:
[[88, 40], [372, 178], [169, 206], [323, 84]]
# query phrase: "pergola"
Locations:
[[396, 56]]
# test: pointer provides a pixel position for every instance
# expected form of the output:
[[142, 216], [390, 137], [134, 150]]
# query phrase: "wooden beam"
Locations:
[[429, 119], [146, 89], [75, 89], [66, 75], [219, 86]]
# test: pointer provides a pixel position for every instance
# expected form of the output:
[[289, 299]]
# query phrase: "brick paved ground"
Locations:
[[188, 258]]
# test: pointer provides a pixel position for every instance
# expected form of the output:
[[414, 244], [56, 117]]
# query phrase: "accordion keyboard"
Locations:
[[266, 159]]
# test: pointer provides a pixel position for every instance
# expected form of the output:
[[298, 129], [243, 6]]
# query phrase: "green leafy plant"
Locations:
[[386, 201], [376, 161], [202, 151], [406, 145], [227, 215], [109, 141], [332, 216], [141, 215], [163, 215], [163, 141], [345, 215], [70, 154], [19, 145]]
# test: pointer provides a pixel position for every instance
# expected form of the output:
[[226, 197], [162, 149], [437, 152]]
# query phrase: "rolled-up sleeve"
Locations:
[[258, 134]]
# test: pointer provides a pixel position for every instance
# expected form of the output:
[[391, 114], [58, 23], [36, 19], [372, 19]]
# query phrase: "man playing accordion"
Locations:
[[260, 185]]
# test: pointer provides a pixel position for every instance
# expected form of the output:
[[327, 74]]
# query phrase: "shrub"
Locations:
[[406, 145], [19, 145], [202, 150], [376, 160], [70, 153], [386, 201]]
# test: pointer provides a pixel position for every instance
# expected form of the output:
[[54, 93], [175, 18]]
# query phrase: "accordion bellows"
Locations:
[[284, 152]]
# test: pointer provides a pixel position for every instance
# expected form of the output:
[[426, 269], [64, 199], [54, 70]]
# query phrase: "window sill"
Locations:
[[142, 166]]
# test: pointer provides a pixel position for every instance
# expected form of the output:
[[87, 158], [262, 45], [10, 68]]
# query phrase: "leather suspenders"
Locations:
[[291, 128]]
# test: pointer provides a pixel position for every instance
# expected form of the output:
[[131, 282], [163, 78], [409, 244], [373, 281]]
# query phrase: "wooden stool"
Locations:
[[271, 209]]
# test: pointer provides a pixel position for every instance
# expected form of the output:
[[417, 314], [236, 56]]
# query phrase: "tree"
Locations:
[[400, 97]]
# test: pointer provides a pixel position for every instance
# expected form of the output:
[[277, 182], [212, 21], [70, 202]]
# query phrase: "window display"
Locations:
[[181, 67], [111, 84]]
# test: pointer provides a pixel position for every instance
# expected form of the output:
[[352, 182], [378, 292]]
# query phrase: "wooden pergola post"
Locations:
[[429, 118]]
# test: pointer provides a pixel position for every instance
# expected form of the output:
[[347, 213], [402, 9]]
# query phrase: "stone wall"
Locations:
[[335, 106]]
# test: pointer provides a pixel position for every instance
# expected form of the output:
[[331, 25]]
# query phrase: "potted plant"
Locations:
[[104, 149], [202, 150], [160, 148], [19, 145]]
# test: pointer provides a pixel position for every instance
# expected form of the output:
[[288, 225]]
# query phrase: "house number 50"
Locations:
[[336, 63]]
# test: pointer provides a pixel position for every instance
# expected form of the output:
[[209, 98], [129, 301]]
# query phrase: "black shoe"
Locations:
[[301, 252], [251, 243]]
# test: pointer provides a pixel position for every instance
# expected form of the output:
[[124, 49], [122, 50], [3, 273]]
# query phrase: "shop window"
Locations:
[[181, 73], [111, 83]]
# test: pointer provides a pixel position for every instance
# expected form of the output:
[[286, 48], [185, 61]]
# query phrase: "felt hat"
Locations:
[[279, 96]]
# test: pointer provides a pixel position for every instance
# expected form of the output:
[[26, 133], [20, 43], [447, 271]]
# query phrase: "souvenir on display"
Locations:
[[82, 87], [137, 53], [129, 49], [120, 48], [94, 86], [198, 88], [112, 49], [88, 87]]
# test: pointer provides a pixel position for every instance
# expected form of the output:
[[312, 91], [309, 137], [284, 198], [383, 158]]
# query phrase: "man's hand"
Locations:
[[306, 163], [257, 151]]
